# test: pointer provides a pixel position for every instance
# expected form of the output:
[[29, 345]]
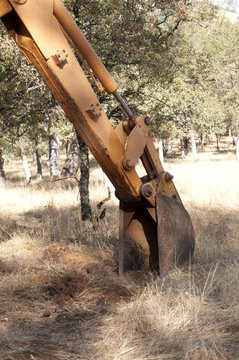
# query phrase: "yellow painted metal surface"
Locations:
[[136, 142], [5, 7], [37, 16], [82, 45]]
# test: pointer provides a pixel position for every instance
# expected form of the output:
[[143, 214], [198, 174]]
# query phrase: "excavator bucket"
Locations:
[[157, 238]]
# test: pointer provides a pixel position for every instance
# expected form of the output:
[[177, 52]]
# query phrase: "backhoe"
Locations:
[[155, 230]]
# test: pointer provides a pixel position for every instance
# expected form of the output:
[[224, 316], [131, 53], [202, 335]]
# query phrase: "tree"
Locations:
[[78, 159], [2, 172], [24, 98], [86, 213], [203, 90]]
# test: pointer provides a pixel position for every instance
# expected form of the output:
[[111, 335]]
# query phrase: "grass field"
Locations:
[[60, 295]]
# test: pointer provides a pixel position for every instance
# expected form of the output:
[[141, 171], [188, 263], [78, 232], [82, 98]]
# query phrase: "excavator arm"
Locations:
[[154, 228]]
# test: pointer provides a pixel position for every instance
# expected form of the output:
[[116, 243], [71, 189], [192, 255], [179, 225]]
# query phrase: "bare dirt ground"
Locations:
[[60, 294]]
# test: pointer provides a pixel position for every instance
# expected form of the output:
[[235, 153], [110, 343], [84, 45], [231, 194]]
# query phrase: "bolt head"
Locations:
[[168, 177], [147, 121], [146, 190], [127, 164]]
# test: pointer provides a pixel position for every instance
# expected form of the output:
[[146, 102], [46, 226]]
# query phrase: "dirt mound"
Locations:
[[71, 258], [77, 274]]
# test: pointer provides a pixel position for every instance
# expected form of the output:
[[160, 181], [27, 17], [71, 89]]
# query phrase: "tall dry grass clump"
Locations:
[[61, 297]]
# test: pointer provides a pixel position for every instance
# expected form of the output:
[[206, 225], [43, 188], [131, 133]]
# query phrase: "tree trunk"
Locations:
[[182, 148], [193, 143], [229, 131], [213, 136], [26, 166], [218, 138], [67, 147], [54, 156], [186, 144], [160, 145], [72, 161], [38, 159], [208, 140], [237, 148], [202, 141], [169, 147], [86, 213], [2, 172], [34, 159]]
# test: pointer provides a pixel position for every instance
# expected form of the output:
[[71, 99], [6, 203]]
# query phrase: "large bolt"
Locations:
[[147, 121], [168, 177], [127, 164], [146, 190]]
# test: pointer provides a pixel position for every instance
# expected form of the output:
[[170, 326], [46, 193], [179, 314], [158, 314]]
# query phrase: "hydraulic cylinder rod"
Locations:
[[123, 105]]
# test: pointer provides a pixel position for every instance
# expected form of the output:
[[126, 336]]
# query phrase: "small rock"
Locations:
[[46, 313], [4, 319]]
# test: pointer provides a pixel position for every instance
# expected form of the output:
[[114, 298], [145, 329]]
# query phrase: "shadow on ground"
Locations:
[[61, 299]]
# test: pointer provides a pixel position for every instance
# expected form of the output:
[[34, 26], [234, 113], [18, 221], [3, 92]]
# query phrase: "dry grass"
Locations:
[[61, 298]]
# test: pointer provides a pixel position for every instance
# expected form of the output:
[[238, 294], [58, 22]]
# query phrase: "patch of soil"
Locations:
[[66, 295], [82, 273], [71, 258]]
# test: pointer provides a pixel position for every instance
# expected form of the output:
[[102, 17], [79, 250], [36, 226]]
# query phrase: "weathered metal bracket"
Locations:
[[60, 57], [95, 111], [136, 142]]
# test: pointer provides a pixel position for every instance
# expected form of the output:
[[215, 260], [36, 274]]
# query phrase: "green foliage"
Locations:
[[132, 39], [205, 87], [25, 100]]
